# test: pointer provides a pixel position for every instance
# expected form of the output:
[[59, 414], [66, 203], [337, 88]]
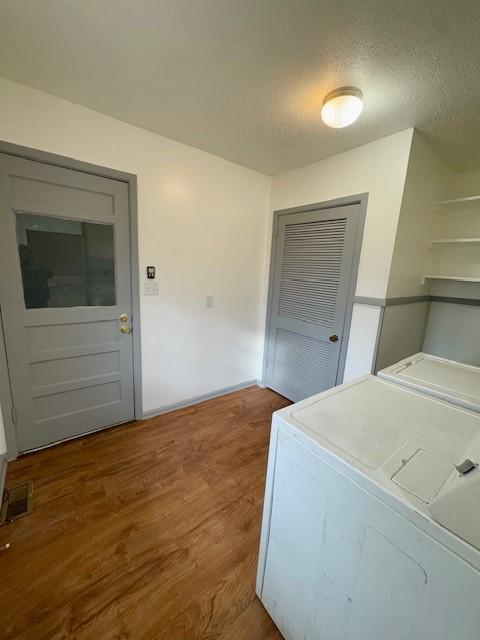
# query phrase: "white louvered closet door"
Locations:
[[312, 276]]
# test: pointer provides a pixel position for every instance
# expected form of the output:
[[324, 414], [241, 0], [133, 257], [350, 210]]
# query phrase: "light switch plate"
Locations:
[[150, 288], [210, 302]]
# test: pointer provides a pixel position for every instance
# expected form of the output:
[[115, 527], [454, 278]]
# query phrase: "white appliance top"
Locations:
[[407, 443], [453, 381]]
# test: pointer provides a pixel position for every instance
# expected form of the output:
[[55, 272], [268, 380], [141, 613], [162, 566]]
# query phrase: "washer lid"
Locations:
[[370, 420], [453, 381], [456, 508], [424, 474]]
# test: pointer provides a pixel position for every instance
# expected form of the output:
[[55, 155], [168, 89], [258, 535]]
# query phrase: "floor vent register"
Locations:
[[17, 502]]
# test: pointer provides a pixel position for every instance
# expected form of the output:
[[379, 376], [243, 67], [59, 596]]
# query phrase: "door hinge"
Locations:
[[14, 416]]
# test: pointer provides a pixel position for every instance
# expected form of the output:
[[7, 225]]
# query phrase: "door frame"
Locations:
[[360, 199], [130, 179]]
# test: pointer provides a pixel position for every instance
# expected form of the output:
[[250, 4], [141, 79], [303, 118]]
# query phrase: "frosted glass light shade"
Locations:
[[342, 107]]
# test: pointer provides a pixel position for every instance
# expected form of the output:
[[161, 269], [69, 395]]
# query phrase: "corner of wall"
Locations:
[[424, 185], [268, 232], [3, 473]]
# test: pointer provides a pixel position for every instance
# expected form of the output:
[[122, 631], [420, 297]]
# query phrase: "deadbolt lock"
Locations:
[[124, 317], [333, 338]]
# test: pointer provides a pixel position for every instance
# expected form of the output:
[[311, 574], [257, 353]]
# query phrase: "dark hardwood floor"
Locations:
[[145, 531]]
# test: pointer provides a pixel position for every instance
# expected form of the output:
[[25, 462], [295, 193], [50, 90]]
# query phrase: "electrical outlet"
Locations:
[[150, 288], [210, 303]]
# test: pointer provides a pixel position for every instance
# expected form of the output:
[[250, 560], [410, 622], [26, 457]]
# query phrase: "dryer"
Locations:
[[453, 381], [369, 531]]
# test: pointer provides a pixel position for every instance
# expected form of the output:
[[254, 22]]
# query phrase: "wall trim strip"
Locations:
[[372, 302], [188, 402], [391, 302], [468, 301]]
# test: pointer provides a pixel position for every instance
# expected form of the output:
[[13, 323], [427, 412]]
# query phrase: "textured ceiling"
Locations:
[[244, 79]]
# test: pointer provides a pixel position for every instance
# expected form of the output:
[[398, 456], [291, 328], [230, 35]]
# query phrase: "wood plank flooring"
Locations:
[[148, 531]]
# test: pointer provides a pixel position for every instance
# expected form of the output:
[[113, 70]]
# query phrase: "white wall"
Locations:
[[362, 342], [403, 332], [403, 326], [202, 222], [426, 183], [3, 444], [464, 183], [453, 331], [378, 168], [461, 222]]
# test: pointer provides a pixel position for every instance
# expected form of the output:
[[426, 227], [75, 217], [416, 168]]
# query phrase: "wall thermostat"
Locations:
[[150, 273]]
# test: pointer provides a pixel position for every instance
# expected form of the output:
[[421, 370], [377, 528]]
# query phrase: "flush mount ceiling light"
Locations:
[[341, 107]]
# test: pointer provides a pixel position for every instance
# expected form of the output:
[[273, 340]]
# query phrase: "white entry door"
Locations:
[[66, 300]]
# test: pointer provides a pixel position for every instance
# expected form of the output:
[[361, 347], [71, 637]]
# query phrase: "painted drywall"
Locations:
[[202, 222], [3, 443], [362, 341], [449, 329], [458, 222], [464, 183], [403, 326], [379, 169], [453, 331], [403, 332], [426, 182]]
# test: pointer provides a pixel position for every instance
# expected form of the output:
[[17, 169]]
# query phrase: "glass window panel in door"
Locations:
[[65, 263]]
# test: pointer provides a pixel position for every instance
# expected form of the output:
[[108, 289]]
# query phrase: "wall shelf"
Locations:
[[459, 203], [453, 241], [457, 251], [454, 278]]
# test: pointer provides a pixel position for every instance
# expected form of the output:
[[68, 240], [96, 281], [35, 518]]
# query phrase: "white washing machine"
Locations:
[[369, 530], [453, 381]]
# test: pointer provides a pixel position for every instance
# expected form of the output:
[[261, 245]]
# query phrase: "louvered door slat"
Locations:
[[300, 361], [294, 303]]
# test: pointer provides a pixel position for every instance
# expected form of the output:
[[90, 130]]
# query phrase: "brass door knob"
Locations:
[[124, 317], [124, 328], [333, 338]]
